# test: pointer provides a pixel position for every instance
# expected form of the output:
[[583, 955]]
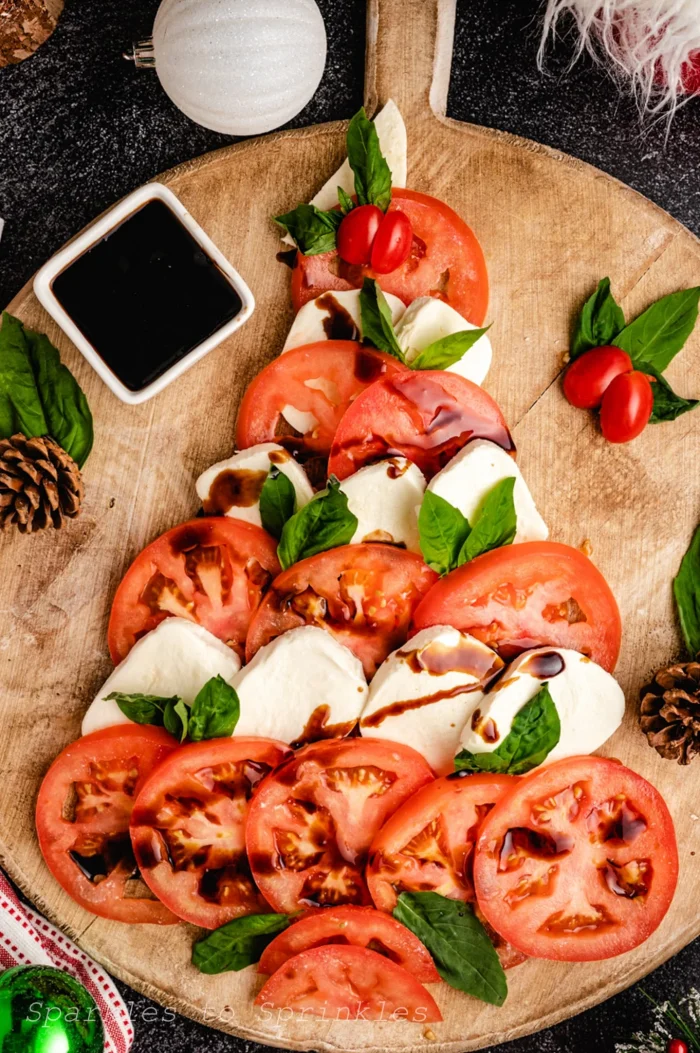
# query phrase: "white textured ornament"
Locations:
[[240, 66]]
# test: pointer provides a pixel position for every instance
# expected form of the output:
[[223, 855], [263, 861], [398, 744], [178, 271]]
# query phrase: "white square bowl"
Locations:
[[43, 288]]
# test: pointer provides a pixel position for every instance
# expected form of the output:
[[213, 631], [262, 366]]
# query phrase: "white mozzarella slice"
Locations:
[[467, 479], [423, 693], [176, 658], [429, 319], [334, 316], [300, 687], [386, 498], [589, 701], [232, 487]]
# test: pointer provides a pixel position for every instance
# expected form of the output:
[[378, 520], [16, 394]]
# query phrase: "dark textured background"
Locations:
[[79, 128]]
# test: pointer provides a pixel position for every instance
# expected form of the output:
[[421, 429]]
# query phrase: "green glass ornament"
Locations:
[[44, 1010]]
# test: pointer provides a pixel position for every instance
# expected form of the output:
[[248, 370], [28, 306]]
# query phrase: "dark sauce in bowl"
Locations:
[[146, 295]]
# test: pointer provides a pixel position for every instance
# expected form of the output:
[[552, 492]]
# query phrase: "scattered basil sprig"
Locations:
[[442, 354], [38, 394], [463, 953], [213, 714], [312, 230], [535, 731], [447, 539], [238, 943], [277, 501], [600, 321], [325, 522], [686, 590], [369, 166], [667, 404], [142, 709]]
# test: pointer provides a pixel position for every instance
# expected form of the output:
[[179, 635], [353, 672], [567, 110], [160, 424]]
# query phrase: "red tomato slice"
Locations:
[[187, 828], [359, 926], [311, 822], [528, 595], [348, 983], [446, 261], [82, 820], [364, 595], [578, 862], [210, 571], [425, 415]]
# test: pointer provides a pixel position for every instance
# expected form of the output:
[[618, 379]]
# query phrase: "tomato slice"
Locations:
[[528, 595], [578, 862], [446, 261], [425, 415], [188, 828], [317, 380], [359, 926], [363, 594], [348, 983], [311, 822], [82, 820], [213, 571]]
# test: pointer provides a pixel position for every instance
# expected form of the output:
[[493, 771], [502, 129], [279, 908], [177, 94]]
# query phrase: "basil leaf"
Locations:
[[20, 405], [667, 404], [277, 501], [66, 409], [142, 709], [377, 326], [657, 335], [324, 523], [346, 202], [463, 953], [369, 166], [237, 944], [215, 711], [444, 353], [497, 524], [686, 589], [443, 531], [535, 731], [600, 321], [175, 719], [312, 230]]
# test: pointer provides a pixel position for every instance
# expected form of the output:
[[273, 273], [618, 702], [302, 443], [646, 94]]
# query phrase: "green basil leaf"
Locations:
[[21, 409], [497, 524], [237, 944], [600, 321], [667, 404], [369, 166], [657, 335], [377, 326], [324, 523], [686, 589], [463, 953], [176, 718], [142, 709], [444, 353], [346, 202], [215, 711], [277, 501], [312, 230], [443, 531], [535, 731]]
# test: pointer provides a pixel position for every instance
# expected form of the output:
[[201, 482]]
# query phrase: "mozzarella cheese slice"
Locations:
[[589, 701], [422, 694], [428, 319], [302, 686], [232, 487], [178, 657], [386, 498], [334, 316], [467, 479]]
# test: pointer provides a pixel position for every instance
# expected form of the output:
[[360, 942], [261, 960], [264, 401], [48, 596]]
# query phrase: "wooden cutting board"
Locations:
[[550, 227]]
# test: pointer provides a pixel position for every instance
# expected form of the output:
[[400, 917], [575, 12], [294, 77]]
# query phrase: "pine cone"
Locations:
[[40, 484], [670, 712]]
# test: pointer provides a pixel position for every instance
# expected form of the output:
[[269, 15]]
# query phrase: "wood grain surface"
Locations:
[[550, 227]]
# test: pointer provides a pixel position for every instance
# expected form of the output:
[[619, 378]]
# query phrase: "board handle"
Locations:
[[409, 55]]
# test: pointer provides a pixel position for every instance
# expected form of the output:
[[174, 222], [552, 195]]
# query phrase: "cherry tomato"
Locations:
[[357, 232], [626, 407], [392, 244], [677, 1045], [589, 376]]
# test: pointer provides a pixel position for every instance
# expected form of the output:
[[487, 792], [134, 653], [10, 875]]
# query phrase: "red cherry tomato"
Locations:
[[589, 376], [392, 242], [357, 232], [626, 407], [677, 1045]]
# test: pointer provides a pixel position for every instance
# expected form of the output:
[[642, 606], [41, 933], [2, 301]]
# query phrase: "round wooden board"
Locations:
[[550, 227]]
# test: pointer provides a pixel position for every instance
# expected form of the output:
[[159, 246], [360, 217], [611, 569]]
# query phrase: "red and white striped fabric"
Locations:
[[27, 939]]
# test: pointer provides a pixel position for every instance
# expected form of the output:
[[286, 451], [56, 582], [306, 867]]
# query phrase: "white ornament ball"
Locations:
[[240, 66]]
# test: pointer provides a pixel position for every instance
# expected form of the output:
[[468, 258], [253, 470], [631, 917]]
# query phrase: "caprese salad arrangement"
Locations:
[[351, 722]]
